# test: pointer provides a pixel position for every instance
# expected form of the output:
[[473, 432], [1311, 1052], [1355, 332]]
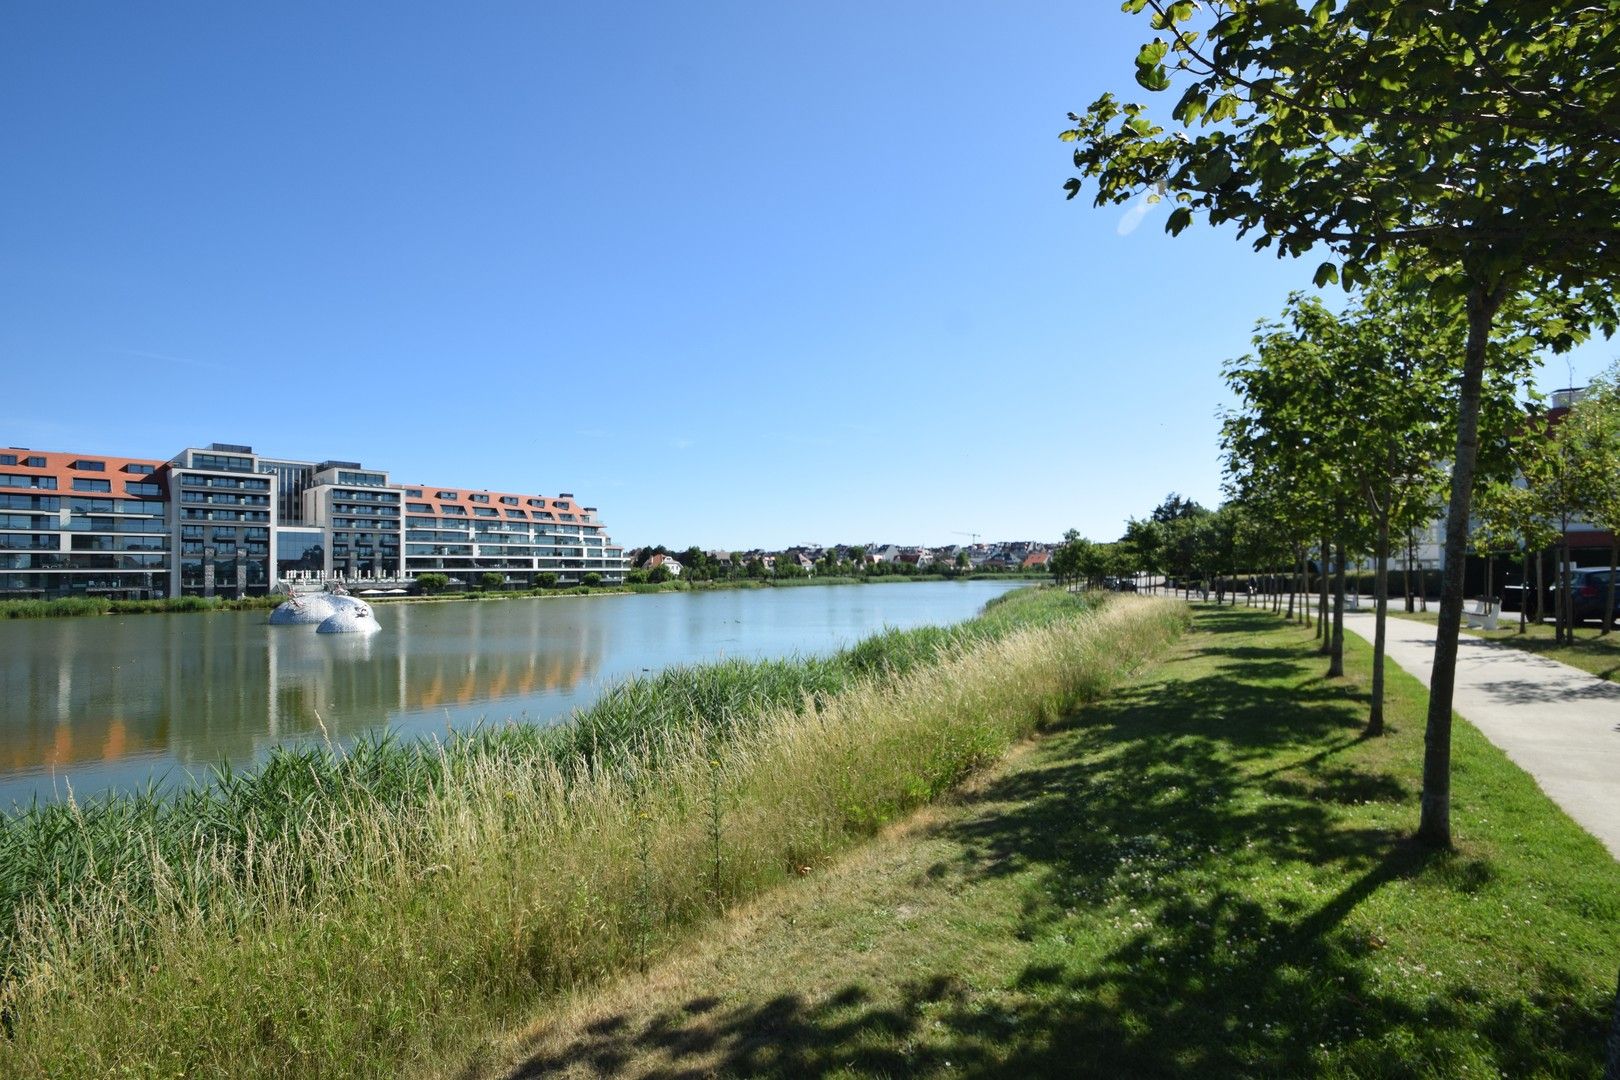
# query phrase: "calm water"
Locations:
[[112, 702]]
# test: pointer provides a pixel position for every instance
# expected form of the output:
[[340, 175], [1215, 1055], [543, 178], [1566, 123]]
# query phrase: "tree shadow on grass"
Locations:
[[1167, 802]]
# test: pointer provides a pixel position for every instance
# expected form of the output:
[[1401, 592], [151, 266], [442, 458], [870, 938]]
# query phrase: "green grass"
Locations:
[[1592, 651], [96, 605], [362, 913], [1207, 874]]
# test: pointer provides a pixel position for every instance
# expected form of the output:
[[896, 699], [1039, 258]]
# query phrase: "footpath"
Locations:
[[1559, 724]]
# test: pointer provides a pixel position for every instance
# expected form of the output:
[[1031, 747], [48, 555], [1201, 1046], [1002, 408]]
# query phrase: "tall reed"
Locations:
[[365, 913]]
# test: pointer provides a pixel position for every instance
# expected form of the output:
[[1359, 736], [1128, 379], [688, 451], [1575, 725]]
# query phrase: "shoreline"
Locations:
[[80, 607]]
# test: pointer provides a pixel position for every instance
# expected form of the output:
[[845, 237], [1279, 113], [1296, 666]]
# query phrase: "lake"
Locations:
[[118, 701]]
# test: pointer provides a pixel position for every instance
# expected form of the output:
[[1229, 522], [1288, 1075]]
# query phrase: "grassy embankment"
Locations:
[[96, 605], [1207, 874], [1592, 651], [383, 910]]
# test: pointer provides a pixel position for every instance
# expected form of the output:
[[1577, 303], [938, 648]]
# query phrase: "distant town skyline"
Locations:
[[725, 271]]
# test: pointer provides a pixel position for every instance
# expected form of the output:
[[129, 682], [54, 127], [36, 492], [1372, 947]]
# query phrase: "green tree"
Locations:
[[490, 580], [545, 579], [432, 582], [1478, 136], [591, 579]]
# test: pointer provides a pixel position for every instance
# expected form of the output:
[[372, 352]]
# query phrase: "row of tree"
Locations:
[[1471, 146], [840, 561]]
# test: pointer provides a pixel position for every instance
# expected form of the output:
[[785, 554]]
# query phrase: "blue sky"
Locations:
[[737, 274]]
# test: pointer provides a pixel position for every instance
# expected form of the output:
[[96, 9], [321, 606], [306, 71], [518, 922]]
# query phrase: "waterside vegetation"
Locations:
[[364, 913], [1206, 873]]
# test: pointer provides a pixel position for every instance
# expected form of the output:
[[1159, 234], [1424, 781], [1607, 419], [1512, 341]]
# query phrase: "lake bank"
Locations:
[[1206, 873], [342, 908], [116, 702], [80, 606]]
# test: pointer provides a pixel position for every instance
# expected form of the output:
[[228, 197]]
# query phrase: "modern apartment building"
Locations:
[[226, 521]]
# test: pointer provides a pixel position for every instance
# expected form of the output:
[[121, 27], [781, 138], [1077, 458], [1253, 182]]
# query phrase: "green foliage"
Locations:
[[431, 583], [1457, 131], [591, 579], [96, 605], [491, 580], [545, 579]]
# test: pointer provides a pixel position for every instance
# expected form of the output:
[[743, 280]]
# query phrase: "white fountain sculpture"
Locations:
[[309, 608], [350, 619]]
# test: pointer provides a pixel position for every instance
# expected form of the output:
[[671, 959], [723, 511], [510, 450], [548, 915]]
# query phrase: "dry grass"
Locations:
[[423, 929]]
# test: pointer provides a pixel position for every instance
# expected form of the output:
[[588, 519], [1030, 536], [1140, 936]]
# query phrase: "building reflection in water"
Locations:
[[99, 703]]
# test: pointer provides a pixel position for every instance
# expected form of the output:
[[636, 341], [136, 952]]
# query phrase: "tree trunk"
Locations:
[[1406, 572], [1336, 659], [1541, 586], [1614, 565], [1322, 607], [1565, 634], [1434, 825], [1375, 713], [1524, 593]]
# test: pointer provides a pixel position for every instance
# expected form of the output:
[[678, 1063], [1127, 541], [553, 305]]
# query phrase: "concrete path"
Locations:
[[1557, 723]]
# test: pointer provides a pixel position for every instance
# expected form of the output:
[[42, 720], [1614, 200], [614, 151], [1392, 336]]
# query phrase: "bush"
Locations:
[[593, 579], [432, 583], [489, 580], [545, 579]]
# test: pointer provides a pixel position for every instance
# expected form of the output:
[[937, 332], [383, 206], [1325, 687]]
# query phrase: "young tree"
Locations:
[[1476, 135], [1592, 430]]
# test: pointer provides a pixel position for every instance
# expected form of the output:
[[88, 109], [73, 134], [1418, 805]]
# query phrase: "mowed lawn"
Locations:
[[1207, 875]]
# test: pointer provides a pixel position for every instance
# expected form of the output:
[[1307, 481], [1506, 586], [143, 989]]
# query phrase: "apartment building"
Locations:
[[226, 521]]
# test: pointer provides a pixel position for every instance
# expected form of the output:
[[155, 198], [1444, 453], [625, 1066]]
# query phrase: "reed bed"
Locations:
[[367, 913], [99, 605]]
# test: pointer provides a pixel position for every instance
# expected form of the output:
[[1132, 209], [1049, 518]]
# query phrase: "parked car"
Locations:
[[1588, 590]]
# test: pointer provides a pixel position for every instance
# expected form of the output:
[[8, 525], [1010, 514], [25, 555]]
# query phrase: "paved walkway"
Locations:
[[1557, 723]]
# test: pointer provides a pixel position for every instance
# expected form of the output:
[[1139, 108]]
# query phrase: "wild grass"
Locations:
[[98, 605], [363, 913], [1207, 873]]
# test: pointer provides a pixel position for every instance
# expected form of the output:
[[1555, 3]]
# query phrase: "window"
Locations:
[[132, 487], [485, 511], [48, 483], [413, 493], [517, 513], [537, 502], [8, 459], [35, 463], [509, 500], [419, 508], [89, 466], [479, 498], [137, 469], [447, 495]]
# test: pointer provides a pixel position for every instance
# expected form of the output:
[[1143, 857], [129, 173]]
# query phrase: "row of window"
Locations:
[[58, 561], [222, 462], [83, 464], [40, 483], [81, 505]]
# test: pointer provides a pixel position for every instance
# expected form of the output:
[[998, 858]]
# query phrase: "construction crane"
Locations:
[[959, 532]]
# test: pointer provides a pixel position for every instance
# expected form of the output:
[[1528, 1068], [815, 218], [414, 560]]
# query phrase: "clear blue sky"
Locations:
[[737, 274]]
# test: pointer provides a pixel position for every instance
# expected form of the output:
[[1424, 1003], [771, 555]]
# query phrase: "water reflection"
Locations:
[[117, 702]]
